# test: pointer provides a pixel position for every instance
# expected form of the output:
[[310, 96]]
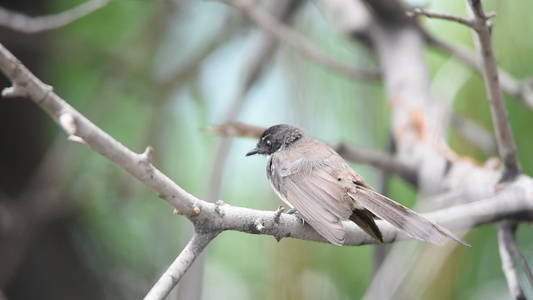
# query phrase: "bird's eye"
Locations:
[[269, 143]]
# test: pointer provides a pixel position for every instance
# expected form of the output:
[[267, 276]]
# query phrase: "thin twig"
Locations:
[[297, 41], [474, 133], [380, 160], [506, 238], [26, 24], [183, 262], [500, 117], [236, 129], [522, 90], [439, 15], [374, 158]]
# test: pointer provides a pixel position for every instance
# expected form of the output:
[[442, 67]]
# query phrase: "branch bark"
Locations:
[[439, 15], [182, 263], [76, 125], [506, 240], [500, 117], [522, 90]]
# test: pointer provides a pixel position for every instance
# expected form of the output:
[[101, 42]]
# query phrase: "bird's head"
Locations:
[[275, 138]]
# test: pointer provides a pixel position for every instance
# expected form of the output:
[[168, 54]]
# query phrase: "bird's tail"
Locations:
[[402, 217]]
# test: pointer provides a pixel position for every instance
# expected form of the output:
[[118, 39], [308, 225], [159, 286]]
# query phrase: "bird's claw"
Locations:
[[293, 211]]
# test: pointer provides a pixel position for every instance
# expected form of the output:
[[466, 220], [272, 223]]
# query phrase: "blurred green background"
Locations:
[[154, 73]]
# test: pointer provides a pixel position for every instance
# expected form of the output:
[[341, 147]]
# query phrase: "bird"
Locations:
[[317, 183]]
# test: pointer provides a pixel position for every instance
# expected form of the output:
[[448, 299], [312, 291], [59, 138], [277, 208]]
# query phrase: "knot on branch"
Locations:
[[217, 208], [145, 159], [68, 122], [15, 91], [258, 226]]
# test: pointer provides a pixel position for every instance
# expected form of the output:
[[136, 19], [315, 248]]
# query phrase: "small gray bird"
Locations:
[[315, 180]]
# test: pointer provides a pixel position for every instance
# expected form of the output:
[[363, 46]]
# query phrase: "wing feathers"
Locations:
[[311, 208], [402, 217]]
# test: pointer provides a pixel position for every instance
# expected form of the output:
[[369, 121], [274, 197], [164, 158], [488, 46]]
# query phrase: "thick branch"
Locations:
[[182, 263], [516, 202], [298, 42], [27, 24], [500, 117]]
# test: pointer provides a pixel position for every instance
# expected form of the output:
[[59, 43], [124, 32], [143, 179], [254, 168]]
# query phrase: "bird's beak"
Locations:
[[253, 152]]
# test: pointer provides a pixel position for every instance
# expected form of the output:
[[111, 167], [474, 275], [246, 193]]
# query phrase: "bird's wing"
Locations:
[[311, 187]]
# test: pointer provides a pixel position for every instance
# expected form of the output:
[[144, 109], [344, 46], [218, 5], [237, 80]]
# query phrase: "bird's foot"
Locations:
[[293, 211]]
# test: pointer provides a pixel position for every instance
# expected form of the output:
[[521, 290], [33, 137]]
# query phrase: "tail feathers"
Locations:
[[365, 220], [402, 217]]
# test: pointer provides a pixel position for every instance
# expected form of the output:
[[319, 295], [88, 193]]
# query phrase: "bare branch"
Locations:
[[380, 160], [521, 90], [95, 137], [236, 129], [183, 262], [474, 133], [512, 203], [500, 117], [374, 158], [298, 42], [439, 15], [26, 24], [506, 240]]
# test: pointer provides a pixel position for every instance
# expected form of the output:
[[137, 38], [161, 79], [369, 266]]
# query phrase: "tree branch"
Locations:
[[298, 42], [377, 159], [500, 117], [75, 124], [439, 15], [380, 160], [183, 262], [506, 240], [26, 24], [522, 90], [474, 133]]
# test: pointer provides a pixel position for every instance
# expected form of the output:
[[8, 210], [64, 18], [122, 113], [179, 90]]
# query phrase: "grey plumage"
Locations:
[[311, 177]]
